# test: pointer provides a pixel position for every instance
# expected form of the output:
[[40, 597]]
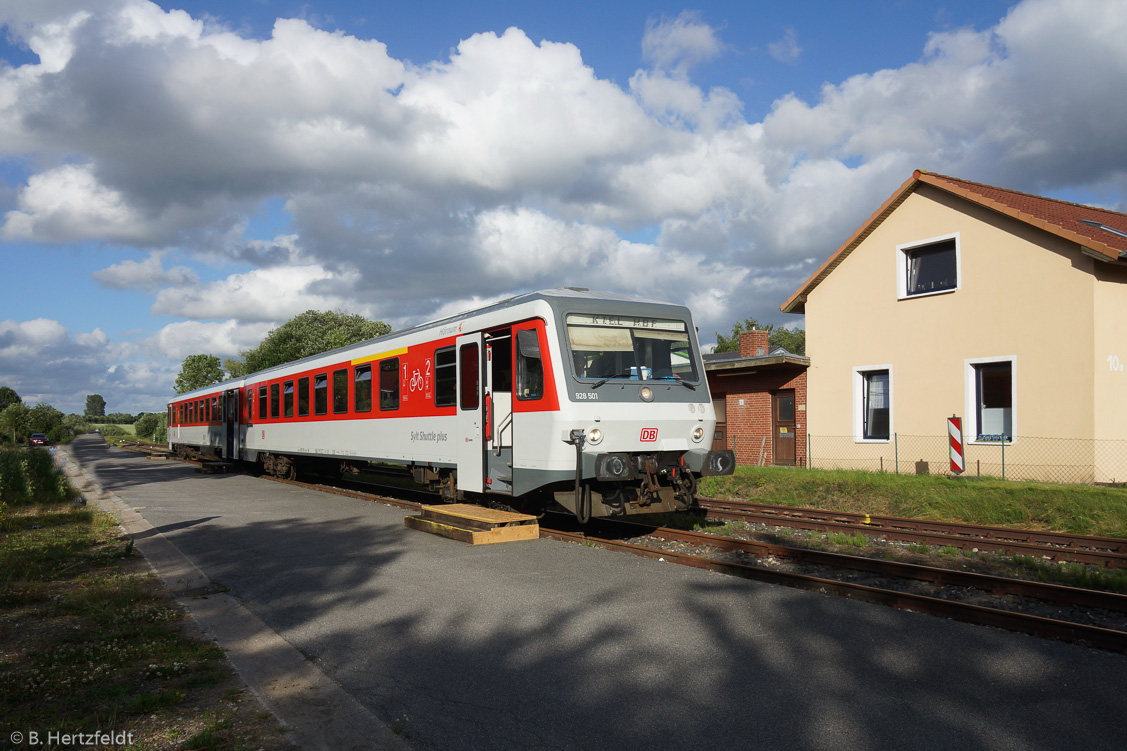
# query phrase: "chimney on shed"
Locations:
[[753, 343]]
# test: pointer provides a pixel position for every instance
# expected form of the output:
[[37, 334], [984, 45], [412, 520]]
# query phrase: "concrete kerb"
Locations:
[[321, 714]]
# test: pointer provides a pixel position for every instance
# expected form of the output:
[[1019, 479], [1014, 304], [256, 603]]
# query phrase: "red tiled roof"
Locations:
[[1060, 218]]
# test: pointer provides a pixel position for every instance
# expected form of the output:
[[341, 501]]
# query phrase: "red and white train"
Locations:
[[595, 402]]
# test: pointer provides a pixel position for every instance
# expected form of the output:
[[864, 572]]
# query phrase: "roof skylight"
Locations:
[[1104, 227]]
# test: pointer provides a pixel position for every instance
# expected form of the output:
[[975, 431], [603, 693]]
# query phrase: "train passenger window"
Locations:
[[261, 402], [471, 376], [501, 359], [302, 396], [287, 399], [445, 377], [201, 413], [275, 400], [530, 366], [250, 404], [389, 384], [191, 413], [340, 391], [321, 393], [363, 395]]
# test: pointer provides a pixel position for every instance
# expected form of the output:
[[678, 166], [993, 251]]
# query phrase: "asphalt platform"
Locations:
[[350, 626]]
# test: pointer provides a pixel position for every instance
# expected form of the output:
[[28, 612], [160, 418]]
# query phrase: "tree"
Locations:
[[310, 333], [148, 425], [43, 418], [198, 371], [793, 340], [235, 368], [8, 397], [95, 406], [15, 418]]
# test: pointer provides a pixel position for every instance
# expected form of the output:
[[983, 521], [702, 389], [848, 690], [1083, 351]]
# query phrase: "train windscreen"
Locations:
[[627, 347]]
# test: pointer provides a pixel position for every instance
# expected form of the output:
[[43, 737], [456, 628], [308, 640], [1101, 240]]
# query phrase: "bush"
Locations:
[[30, 476], [147, 425], [113, 430]]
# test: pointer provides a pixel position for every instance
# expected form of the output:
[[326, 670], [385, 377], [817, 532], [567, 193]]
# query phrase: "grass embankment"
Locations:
[[113, 428], [1076, 509], [92, 643]]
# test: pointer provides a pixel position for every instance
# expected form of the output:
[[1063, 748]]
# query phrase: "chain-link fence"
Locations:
[[1075, 460]]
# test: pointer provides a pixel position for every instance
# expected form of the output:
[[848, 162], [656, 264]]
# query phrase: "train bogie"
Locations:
[[596, 403]]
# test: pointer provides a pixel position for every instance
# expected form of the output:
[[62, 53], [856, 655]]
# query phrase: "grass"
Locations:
[[1076, 509], [91, 641], [127, 428], [1074, 574]]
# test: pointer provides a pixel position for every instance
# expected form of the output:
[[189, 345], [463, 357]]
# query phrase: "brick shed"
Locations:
[[760, 398]]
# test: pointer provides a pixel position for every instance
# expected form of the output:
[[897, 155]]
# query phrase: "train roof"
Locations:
[[549, 295]]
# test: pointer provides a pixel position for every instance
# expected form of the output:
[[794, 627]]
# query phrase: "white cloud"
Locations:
[[68, 203], [45, 362], [524, 244], [680, 43], [223, 339], [787, 49], [148, 275], [262, 295]]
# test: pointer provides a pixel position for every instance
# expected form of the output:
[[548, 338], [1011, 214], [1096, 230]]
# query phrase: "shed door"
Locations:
[[470, 441], [782, 409]]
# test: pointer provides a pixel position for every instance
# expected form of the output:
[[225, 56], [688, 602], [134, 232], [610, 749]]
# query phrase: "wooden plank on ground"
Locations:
[[474, 536]]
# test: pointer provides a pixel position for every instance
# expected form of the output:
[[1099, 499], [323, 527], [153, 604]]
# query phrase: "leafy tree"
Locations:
[[198, 371], [793, 340], [149, 425], [310, 333], [43, 418], [8, 397], [15, 417], [95, 405], [235, 368]]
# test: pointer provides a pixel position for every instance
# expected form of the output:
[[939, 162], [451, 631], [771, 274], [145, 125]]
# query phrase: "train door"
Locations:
[[231, 419], [469, 442], [499, 411]]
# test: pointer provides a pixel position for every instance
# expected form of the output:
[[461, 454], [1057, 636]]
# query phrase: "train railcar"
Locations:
[[594, 402]]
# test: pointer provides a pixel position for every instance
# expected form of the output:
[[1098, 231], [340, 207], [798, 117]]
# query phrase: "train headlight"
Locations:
[[698, 433], [646, 394], [594, 436]]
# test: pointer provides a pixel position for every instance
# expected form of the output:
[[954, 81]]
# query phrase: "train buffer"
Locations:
[[476, 525]]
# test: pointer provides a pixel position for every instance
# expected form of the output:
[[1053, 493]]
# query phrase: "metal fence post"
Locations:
[[896, 451], [1003, 456]]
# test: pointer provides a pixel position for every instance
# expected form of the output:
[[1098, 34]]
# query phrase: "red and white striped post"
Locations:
[[955, 436]]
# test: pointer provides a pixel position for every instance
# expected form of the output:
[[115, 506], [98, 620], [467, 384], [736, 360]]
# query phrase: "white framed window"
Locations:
[[872, 404], [991, 399], [928, 267]]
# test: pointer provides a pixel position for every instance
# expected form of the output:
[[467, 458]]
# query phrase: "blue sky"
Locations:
[[178, 178]]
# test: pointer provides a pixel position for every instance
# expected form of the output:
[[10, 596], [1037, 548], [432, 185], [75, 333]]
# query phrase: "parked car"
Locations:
[[38, 439]]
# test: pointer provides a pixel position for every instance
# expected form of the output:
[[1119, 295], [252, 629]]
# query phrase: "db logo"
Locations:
[[649, 434]]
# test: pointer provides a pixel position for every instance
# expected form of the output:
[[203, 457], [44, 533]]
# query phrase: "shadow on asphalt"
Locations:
[[565, 647]]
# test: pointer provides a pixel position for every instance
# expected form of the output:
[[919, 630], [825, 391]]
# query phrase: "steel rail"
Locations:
[[1057, 594], [1053, 545], [1039, 626]]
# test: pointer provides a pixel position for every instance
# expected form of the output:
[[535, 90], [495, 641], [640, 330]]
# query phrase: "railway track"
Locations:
[[867, 579], [707, 552], [1106, 551]]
